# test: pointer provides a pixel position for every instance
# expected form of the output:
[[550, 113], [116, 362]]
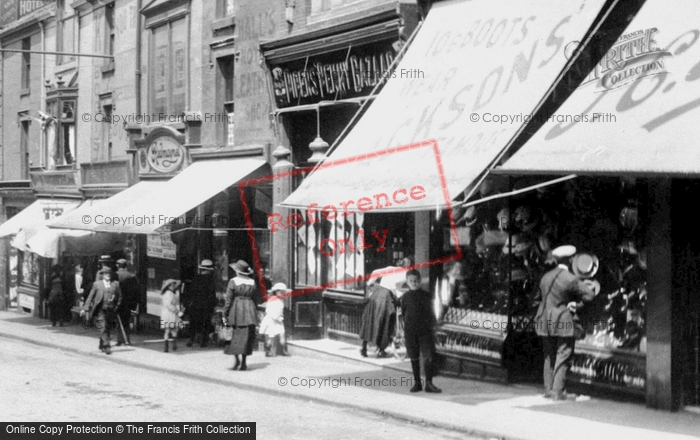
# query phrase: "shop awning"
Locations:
[[147, 206], [36, 214], [640, 105], [468, 80]]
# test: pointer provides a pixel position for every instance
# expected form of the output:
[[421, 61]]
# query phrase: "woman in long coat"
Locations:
[[378, 319], [56, 296], [240, 312]]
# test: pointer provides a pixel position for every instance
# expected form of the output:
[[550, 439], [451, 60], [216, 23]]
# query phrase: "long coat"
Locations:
[[202, 301], [170, 310], [103, 298], [553, 318], [378, 317], [130, 290], [241, 301]]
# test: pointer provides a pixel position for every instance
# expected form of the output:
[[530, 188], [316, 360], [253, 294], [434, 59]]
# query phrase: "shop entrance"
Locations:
[[687, 250]]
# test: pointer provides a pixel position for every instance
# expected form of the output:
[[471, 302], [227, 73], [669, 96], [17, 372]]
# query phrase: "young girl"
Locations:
[[273, 323], [170, 312]]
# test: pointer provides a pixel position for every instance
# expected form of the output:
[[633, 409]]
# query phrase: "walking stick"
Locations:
[[121, 327]]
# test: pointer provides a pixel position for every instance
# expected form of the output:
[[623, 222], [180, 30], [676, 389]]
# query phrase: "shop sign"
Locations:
[[26, 301], [165, 154], [338, 75], [27, 6], [52, 212], [161, 246]]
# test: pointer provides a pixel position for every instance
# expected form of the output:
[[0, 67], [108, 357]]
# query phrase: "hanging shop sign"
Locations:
[[165, 155], [347, 73]]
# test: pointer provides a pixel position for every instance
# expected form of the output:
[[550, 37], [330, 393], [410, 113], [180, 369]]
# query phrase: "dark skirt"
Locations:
[[242, 341]]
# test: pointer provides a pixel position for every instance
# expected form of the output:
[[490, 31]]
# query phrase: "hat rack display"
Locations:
[[514, 241]]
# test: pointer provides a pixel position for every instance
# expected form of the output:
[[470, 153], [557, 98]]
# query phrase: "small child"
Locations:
[[170, 312], [273, 323]]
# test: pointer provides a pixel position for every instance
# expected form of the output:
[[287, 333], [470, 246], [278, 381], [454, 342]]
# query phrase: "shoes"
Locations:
[[430, 388], [417, 387], [564, 396], [189, 343], [119, 344], [548, 395], [363, 352], [107, 350], [166, 347], [53, 324], [382, 354], [243, 367], [237, 364], [174, 345]]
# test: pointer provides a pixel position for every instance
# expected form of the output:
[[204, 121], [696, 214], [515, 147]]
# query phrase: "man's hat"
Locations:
[[105, 258], [106, 270], [206, 265], [564, 251], [585, 265], [121, 261], [279, 287], [241, 267]]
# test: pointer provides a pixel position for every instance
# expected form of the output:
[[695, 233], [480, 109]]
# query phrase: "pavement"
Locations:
[[333, 373]]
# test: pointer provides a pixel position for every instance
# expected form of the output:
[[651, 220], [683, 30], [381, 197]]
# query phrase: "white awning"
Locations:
[[34, 215], [147, 206], [639, 108], [474, 71]]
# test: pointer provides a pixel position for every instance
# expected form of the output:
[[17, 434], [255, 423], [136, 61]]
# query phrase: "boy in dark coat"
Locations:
[[419, 322]]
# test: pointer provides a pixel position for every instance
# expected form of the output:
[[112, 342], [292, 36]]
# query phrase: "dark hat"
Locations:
[[121, 261], [105, 258], [106, 269], [241, 267], [206, 265]]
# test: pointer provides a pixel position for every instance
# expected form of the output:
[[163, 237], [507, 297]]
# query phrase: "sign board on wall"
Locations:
[[161, 246], [26, 301], [346, 73]]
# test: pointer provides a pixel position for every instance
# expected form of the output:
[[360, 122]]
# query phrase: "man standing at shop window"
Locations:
[[557, 296], [103, 301]]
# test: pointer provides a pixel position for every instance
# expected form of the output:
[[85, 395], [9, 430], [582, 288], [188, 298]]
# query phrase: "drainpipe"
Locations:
[[42, 105], [137, 72]]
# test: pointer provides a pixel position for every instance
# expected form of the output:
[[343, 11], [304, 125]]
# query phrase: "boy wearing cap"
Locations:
[[559, 292], [103, 301], [272, 324]]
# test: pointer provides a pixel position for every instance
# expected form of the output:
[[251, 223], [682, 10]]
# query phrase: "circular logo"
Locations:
[[165, 155]]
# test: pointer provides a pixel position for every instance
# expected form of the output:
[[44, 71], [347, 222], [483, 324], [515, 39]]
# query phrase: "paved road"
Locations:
[[52, 385]]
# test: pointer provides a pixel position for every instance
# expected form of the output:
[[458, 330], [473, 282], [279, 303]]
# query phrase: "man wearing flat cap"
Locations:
[[130, 299], [554, 323], [201, 303], [101, 305]]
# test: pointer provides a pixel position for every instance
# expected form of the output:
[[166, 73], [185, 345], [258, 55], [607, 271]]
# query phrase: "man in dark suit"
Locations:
[[559, 292], [201, 303], [103, 301], [130, 299]]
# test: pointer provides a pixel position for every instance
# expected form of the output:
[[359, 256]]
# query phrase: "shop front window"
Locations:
[[506, 245], [29, 268]]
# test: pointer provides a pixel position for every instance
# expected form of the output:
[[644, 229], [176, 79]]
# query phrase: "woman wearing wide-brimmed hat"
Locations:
[[240, 312], [170, 311]]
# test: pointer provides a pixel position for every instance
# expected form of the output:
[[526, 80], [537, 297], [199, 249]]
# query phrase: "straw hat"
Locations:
[[107, 270], [564, 251], [170, 282], [585, 265], [279, 287], [206, 265], [105, 258], [241, 267]]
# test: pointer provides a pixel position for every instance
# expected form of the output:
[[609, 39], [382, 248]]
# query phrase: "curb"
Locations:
[[334, 403]]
